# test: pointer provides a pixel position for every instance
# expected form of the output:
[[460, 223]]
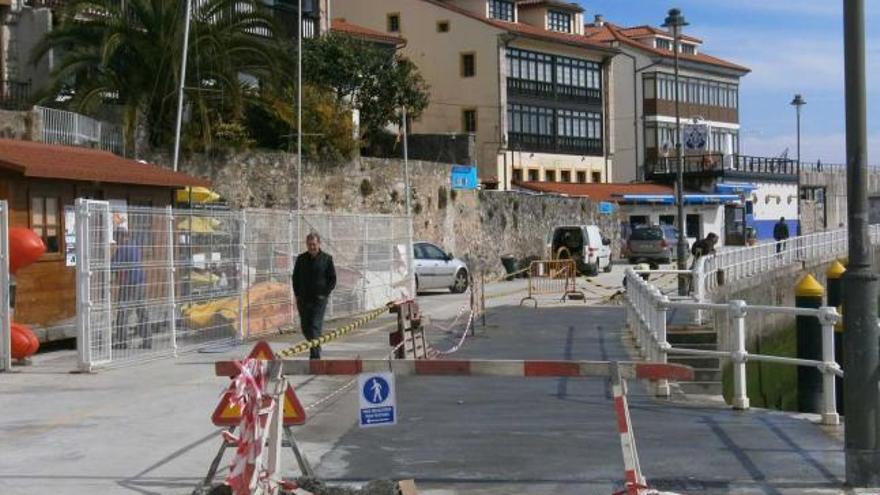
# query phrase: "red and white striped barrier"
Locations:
[[477, 367]]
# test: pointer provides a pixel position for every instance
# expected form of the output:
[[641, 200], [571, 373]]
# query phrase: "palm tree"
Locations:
[[128, 53]]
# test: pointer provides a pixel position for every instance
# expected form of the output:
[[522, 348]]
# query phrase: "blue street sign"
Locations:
[[463, 177], [606, 208], [378, 404]]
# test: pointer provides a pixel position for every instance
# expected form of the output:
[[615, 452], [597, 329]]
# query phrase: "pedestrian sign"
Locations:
[[378, 403], [229, 414]]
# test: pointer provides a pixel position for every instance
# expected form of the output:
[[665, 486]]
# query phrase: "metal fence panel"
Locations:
[[268, 265], [73, 129], [152, 281], [5, 320]]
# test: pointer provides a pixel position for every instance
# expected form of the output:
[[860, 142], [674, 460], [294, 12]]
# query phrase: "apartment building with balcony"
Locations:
[[645, 126], [519, 75]]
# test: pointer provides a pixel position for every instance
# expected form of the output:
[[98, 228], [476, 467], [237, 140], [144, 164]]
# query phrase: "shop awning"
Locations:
[[196, 195], [689, 199]]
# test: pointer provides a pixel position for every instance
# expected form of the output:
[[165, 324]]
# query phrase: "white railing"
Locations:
[[152, 282], [5, 320], [73, 129], [646, 319], [733, 265]]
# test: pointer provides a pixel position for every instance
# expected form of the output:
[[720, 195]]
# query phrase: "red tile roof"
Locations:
[[46, 161], [341, 26], [609, 32], [646, 30], [595, 191], [526, 30]]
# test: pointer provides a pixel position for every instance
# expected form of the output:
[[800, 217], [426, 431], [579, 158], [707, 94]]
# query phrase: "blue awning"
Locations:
[[734, 187], [689, 199]]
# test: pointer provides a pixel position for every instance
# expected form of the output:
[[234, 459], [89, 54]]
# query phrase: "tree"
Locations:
[[376, 80], [129, 53]]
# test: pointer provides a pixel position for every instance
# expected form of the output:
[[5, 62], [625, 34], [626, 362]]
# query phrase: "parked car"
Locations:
[[583, 243], [651, 243], [436, 269]]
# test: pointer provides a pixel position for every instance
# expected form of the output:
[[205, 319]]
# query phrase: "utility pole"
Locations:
[[180, 86], [675, 21], [406, 164], [862, 338], [299, 105]]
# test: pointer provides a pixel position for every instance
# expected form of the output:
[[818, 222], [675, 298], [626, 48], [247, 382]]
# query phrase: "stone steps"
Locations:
[[707, 370]]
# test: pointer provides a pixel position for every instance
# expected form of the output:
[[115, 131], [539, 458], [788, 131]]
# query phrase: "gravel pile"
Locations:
[[380, 487]]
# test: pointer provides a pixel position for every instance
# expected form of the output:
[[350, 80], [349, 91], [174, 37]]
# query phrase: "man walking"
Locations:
[[314, 278], [780, 234], [131, 291]]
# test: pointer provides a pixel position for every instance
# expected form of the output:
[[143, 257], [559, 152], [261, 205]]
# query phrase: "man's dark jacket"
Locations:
[[780, 231], [313, 277]]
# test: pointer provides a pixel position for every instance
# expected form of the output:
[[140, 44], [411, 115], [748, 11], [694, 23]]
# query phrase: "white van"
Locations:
[[583, 243]]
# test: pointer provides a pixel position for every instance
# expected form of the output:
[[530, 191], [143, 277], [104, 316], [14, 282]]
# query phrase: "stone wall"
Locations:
[[478, 226], [17, 125]]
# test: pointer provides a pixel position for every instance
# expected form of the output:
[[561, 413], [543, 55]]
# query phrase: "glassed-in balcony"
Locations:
[[734, 166]]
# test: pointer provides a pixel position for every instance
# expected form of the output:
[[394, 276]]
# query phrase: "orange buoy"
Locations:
[[24, 342], [25, 247]]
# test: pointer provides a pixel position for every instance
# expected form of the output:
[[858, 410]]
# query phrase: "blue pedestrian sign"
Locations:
[[377, 401]]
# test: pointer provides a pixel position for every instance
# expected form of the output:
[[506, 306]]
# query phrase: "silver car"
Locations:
[[435, 269]]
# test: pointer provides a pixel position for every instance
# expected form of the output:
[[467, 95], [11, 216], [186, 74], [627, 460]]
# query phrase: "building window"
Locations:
[[582, 177], [693, 226], [597, 177], [692, 90], [501, 9], [46, 221], [537, 74], [559, 21], [469, 121], [442, 26], [547, 129], [517, 175], [664, 44], [468, 65], [550, 176], [393, 23], [533, 175], [689, 49], [565, 176]]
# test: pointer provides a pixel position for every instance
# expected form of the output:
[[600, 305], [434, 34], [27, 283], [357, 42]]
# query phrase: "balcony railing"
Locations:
[[550, 91], [717, 164], [73, 129], [554, 144]]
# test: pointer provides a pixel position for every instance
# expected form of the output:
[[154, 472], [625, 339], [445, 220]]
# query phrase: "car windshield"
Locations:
[[669, 232], [647, 234]]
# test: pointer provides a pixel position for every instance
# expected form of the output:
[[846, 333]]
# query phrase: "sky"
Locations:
[[792, 46]]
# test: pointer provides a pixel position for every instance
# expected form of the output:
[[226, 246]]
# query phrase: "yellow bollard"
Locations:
[[809, 293]]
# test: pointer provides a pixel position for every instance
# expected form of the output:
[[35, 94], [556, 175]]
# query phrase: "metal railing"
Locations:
[[717, 163], [15, 95], [152, 282], [5, 320], [733, 265], [73, 129], [647, 308]]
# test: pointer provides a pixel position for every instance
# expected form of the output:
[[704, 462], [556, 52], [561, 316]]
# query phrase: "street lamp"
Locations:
[[798, 102], [675, 21]]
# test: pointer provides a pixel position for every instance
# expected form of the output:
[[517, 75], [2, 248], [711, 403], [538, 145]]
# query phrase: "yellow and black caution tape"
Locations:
[[331, 336]]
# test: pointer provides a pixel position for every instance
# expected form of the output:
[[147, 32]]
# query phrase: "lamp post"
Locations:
[[861, 344], [675, 21], [797, 103]]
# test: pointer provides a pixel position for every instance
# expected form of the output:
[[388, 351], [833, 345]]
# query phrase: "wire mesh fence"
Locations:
[[152, 282]]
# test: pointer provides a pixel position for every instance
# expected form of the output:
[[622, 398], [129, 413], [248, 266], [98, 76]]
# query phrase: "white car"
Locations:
[[583, 243], [435, 269]]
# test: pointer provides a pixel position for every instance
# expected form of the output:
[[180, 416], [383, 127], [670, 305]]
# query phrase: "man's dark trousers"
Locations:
[[311, 318]]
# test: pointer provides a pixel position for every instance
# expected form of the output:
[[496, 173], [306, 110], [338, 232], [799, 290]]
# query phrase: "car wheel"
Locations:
[[592, 269], [417, 285], [460, 284], [608, 267], [632, 261]]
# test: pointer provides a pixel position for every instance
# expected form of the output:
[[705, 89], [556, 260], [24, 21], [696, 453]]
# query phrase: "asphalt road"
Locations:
[[146, 429]]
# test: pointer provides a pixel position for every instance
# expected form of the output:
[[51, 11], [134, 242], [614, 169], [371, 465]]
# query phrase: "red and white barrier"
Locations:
[[477, 367]]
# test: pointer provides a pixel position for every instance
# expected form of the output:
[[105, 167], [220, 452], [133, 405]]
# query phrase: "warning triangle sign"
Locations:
[[262, 351], [229, 414]]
